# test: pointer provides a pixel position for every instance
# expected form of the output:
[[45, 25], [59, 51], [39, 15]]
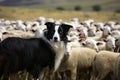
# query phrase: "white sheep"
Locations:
[[99, 26], [88, 23], [107, 44], [79, 58], [103, 64], [20, 25], [117, 43], [106, 31], [39, 33], [117, 69], [115, 33], [92, 31]]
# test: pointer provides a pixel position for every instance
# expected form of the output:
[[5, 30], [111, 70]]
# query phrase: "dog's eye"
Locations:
[[59, 30]]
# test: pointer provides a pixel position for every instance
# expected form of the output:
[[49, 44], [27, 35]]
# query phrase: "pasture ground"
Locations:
[[12, 13]]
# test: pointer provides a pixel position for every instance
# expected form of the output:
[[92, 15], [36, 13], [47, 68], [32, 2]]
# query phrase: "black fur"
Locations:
[[63, 31], [31, 54]]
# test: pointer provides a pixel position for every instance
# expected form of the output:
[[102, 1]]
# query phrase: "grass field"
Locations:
[[13, 13], [86, 5]]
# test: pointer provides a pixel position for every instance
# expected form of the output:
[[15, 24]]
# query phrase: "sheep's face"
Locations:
[[87, 25], [106, 30], [91, 44], [110, 42], [111, 24], [72, 35], [83, 33], [99, 26], [91, 32], [115, 33]]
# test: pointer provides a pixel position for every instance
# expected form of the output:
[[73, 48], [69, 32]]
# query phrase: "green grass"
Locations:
[[107, 5]]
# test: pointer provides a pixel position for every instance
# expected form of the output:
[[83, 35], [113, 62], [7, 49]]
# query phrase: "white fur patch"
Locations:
[[56, 34], [60, 50]]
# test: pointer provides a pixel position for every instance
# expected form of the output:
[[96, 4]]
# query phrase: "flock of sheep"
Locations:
[[93, 47]]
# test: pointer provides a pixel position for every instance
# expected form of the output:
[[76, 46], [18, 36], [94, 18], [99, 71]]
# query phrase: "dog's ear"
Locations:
[[66, 27], [49, 25]]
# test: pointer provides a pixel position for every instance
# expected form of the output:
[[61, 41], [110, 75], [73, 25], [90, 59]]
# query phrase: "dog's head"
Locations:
[[57, 31]]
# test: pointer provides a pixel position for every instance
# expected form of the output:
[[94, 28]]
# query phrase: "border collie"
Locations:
[[57, 33]]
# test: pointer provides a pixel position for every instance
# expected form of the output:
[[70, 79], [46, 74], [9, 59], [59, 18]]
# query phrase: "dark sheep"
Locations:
[[32, 54]]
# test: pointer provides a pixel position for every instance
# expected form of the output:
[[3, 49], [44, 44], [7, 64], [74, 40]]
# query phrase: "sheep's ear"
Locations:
[[95, 25], [101, 29], [49, 25], [91, 23], [97, 30], [33, 25], [117, 23], [4, 33], [82, 23], [116, 40], [77, 29], [24, 24], [89, 30], [83, 43], [32, 30], [105, 40], [105, 24], [81, 40], [112, 29], [99, 43]]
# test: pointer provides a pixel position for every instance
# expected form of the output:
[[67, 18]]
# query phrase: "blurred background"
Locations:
[[84, 6]]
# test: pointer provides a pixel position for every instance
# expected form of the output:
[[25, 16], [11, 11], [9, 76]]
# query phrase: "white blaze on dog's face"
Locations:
[[56, 35], [57, 31]]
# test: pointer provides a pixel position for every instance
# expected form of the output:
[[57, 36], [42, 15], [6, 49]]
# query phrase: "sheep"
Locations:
[[79, 58], [110, 44], [107, 44], [20, 25], [117, 69], [117, 43], [73, 39], [115, 33], [83, 32], [106, 32], [97, 37], [74, 22], [36, 26], [91, 31], [39, 33], [41, 20], [17, 33], [103, 65], [111, 24], [99, 26], [90, 43], [88, 23], [117, 26], [28, 25], [1, 37]]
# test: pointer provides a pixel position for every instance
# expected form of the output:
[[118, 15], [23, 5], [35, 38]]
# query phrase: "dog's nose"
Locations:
[[55, 39]]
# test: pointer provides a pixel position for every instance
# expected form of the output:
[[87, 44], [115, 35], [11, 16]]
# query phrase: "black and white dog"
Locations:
[[17, 54], [57, 33]]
